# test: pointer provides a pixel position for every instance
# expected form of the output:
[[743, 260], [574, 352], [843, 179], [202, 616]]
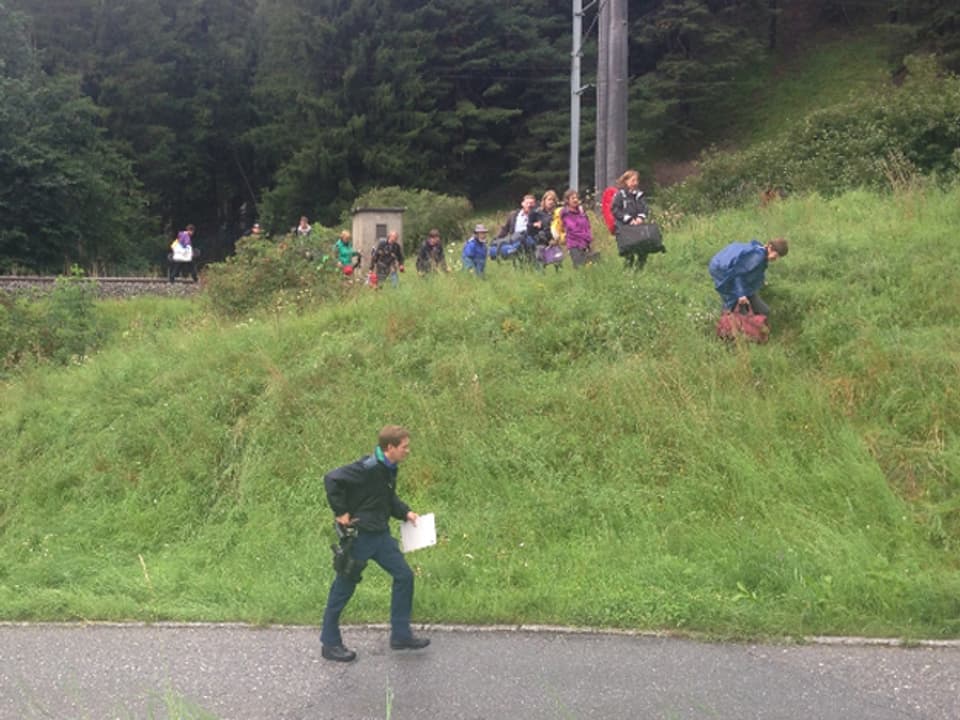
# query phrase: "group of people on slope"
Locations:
[[533, 228], [537, 232], [530, 231]]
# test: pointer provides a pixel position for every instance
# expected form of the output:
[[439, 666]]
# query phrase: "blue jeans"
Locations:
[[382, 548]]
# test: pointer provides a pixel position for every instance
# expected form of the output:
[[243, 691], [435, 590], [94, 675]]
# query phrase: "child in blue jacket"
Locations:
[[475, 252], [738, 272]]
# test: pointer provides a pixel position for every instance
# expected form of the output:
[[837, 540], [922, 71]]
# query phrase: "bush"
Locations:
[[61, 327], [291, 271], [71, 324]]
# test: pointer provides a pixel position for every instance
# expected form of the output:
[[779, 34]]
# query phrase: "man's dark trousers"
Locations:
[[382, 548]]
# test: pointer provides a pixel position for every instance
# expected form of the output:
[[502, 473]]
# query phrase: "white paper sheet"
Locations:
[[423, 534]]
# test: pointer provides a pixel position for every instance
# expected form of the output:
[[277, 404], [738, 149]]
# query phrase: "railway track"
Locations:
[[107, 287]]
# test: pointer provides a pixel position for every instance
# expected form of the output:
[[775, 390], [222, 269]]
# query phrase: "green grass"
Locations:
[[592, 454], [790, 86]]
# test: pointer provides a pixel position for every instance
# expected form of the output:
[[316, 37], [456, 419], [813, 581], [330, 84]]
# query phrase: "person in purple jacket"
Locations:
[[738, 272], [577, 230]]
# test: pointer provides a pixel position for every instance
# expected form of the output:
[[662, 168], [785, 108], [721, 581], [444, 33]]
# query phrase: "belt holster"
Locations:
[[344, 563]]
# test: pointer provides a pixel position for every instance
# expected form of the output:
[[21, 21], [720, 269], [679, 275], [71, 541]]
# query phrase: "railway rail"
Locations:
[[107, 287]]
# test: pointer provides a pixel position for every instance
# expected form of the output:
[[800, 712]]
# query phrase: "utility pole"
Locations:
[[575, 91], [603, 42], [612, 68]]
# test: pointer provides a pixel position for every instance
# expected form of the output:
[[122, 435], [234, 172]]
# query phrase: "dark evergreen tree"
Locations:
[[687, 54], [66, 194]]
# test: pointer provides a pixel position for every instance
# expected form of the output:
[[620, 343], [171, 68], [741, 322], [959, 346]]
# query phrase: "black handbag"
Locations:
[[643, 238]]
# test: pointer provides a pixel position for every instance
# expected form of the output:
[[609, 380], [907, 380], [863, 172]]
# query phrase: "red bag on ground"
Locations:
[[748, 325]]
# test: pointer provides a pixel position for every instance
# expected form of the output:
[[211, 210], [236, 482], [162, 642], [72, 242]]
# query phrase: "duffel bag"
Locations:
[[645, 238], [748, 325], [550, 254]]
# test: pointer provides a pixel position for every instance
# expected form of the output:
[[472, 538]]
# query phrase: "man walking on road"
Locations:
[[363, 496]]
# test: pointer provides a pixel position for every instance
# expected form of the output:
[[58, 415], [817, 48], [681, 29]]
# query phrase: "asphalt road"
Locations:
[[238, 672]]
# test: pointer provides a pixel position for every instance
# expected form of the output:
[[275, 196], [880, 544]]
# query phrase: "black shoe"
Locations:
[[410, 643], [337, 653]]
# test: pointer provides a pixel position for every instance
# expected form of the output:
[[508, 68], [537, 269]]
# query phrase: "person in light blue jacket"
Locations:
[[738, 272], [475, 252]]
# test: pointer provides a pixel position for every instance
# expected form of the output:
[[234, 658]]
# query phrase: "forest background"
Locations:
[[122, 122]]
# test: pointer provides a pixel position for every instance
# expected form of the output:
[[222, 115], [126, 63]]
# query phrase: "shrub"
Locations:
[[71, 325], [60, 327], [273, 273]]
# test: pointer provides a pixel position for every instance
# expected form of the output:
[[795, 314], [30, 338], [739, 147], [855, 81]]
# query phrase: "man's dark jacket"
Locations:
[[386, 257], [367, 489]]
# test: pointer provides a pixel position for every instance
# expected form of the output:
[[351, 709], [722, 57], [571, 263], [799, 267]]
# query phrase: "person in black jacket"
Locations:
[[363, 496], [386, 260], [431, 256], [630, 208]]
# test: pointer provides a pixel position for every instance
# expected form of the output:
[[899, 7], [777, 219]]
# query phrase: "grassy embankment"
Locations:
[[592, 454]]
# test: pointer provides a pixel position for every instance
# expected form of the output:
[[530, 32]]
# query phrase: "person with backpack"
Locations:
[[629, 208], [386, 260], [183, 255]]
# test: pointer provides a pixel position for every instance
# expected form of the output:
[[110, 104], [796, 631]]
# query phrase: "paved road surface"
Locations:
[[237, 673]]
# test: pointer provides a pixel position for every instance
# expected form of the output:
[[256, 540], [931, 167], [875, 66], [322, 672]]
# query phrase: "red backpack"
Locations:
[[606, 207]]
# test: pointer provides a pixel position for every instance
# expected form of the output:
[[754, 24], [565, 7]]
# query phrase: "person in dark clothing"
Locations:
[[630, 208], [363, 496], [431, 255], [738, 272], [386, 260]]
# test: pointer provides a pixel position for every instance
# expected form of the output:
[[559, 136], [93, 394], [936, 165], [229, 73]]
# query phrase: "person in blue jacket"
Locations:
[[738, 272], [475, 252]]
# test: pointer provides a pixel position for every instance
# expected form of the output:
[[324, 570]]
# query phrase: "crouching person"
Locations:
[[474, 254], [738, 272]]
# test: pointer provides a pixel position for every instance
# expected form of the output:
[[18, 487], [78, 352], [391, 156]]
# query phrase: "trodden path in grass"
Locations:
[[238, 672]]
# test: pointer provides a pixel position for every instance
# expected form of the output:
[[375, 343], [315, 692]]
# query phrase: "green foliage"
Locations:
[[571, 430], [67, 194], [389, 94], [72, 320], [882, 142], [222, 112], [63, 327], [291, 272], [936, 23], [688, 56], [298, 273]]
